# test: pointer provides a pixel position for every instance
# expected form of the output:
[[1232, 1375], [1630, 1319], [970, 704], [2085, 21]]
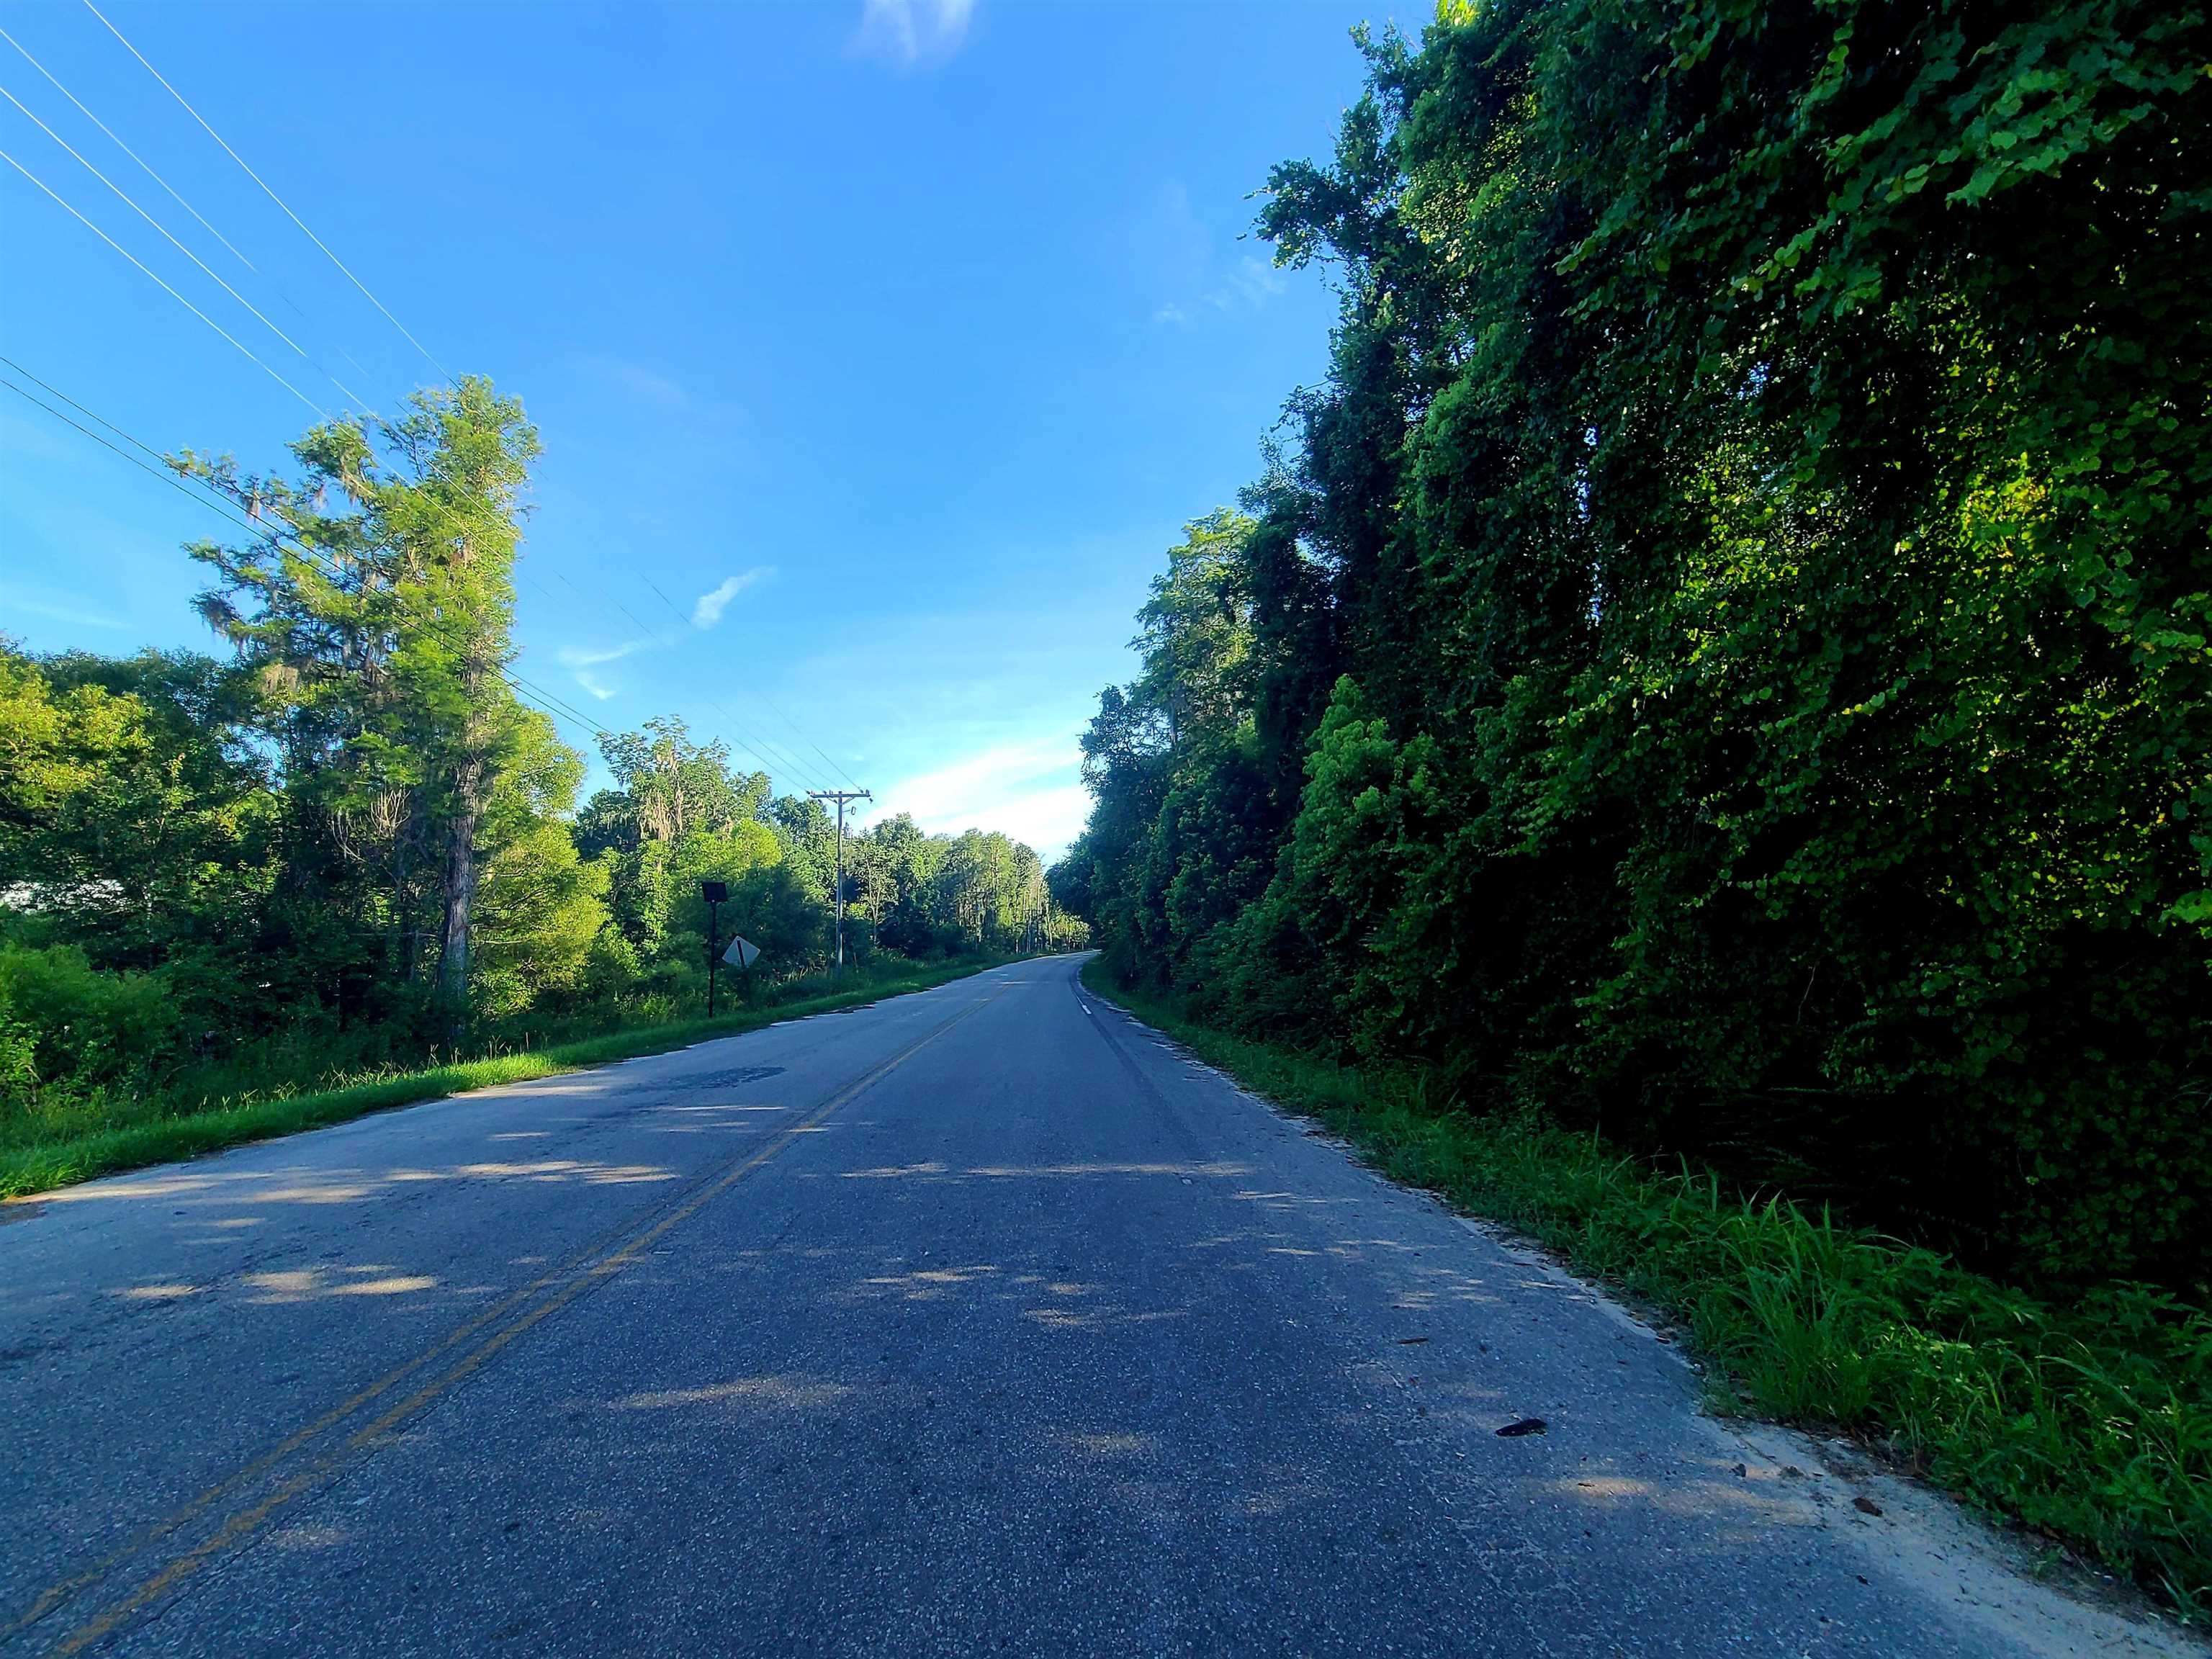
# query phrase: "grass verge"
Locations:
[[157, 1133], [2090, 1423]]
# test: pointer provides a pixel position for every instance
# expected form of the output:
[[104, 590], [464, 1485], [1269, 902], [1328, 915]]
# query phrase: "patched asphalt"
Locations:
[[981, 1321]]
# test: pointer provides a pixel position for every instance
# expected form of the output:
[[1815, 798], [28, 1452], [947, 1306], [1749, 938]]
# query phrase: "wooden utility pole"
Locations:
[[840, 796]]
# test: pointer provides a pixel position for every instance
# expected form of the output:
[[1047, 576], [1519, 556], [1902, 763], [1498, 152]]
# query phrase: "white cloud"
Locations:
[[705, 611], [1030, 791], [1180, 252], [579, 660], [72, 615], [708, 609], [911, 32], [577, 656], [1254, 283], [1250, 285], [641, 382]]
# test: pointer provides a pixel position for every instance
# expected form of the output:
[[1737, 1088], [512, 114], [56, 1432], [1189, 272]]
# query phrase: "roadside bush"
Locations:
[[69, 1028]]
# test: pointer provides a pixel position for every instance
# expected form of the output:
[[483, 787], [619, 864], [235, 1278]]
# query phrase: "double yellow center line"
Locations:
[[477, 1341]]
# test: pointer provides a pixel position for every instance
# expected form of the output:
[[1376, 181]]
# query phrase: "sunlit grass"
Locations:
[[41, 1150], [2091, 1422]]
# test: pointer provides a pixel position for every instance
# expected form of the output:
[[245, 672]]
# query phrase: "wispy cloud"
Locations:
[[581, 656], [1254, 283], [72, 615], [912, 33], [581, 661], [1169, 240], [1249, 285], [706, 610], [643, 384]]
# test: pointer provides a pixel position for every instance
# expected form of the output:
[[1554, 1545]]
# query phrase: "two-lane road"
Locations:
[[977, 1320]]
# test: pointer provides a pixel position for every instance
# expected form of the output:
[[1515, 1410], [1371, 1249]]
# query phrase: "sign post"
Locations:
[[714, 892], [741, 955]]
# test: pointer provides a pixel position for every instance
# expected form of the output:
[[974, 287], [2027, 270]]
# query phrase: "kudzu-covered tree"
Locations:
[[1724, 656]]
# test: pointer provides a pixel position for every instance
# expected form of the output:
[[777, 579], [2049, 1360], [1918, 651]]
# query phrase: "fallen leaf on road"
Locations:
[[1526, 1425]]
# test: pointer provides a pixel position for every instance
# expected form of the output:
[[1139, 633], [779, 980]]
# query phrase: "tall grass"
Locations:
[[2090, 1422], [48, 1146]]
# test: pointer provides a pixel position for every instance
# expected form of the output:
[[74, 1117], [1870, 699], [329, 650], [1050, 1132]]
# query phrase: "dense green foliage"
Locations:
[[350, 845], [2091, 1422], [67, 1138], [1723, 657]]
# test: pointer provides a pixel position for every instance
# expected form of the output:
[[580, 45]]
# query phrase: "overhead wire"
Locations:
[[146, 168], [790, 761], [785, 764], [777, 756], [778, 708], [443, 371], [775, 707], [169, 474], [128, 202], [527, 690], [165, 287], [757, 748]]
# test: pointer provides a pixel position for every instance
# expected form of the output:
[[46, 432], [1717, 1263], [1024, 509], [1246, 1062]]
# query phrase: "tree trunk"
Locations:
[[460, 898]]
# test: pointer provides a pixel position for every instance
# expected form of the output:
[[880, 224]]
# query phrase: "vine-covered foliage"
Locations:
[[1724, 658]]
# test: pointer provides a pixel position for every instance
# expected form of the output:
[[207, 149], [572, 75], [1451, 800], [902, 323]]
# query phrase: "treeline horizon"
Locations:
[[1720, 662], [349, 843]]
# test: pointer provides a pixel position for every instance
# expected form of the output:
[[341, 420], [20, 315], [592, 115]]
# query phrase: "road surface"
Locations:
[[979, 1321]]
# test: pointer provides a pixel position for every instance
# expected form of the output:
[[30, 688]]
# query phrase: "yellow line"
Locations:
[[581, 1278]]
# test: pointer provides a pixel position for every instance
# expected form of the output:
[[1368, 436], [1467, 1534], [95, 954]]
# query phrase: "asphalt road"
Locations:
[[979, 1320]]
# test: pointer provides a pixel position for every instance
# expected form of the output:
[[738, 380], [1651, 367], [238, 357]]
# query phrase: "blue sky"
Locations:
[[879, 349]]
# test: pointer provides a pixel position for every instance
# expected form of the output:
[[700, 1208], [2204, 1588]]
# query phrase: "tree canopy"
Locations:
[[1724, 656]]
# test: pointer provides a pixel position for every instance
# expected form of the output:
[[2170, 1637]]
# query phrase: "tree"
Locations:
[[378, 634], [1724, 656]]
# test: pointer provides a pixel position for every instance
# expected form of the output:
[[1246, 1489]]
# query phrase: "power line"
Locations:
[[442, 370], [767, 699], [148, 168], [550, 704], [167, 473], [181, 248], [164, 287], [761, 751], [435, 506], [553, 705], [769, 759], [785, 764], [808, 741], [777, 757], [787, 761], [128, 151]]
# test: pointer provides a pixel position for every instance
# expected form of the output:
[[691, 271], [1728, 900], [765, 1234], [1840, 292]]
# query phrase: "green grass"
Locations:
[[41, 1151], [2090, 1422]]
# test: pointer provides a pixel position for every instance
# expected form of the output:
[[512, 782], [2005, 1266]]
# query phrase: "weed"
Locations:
[[43, 1149]]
